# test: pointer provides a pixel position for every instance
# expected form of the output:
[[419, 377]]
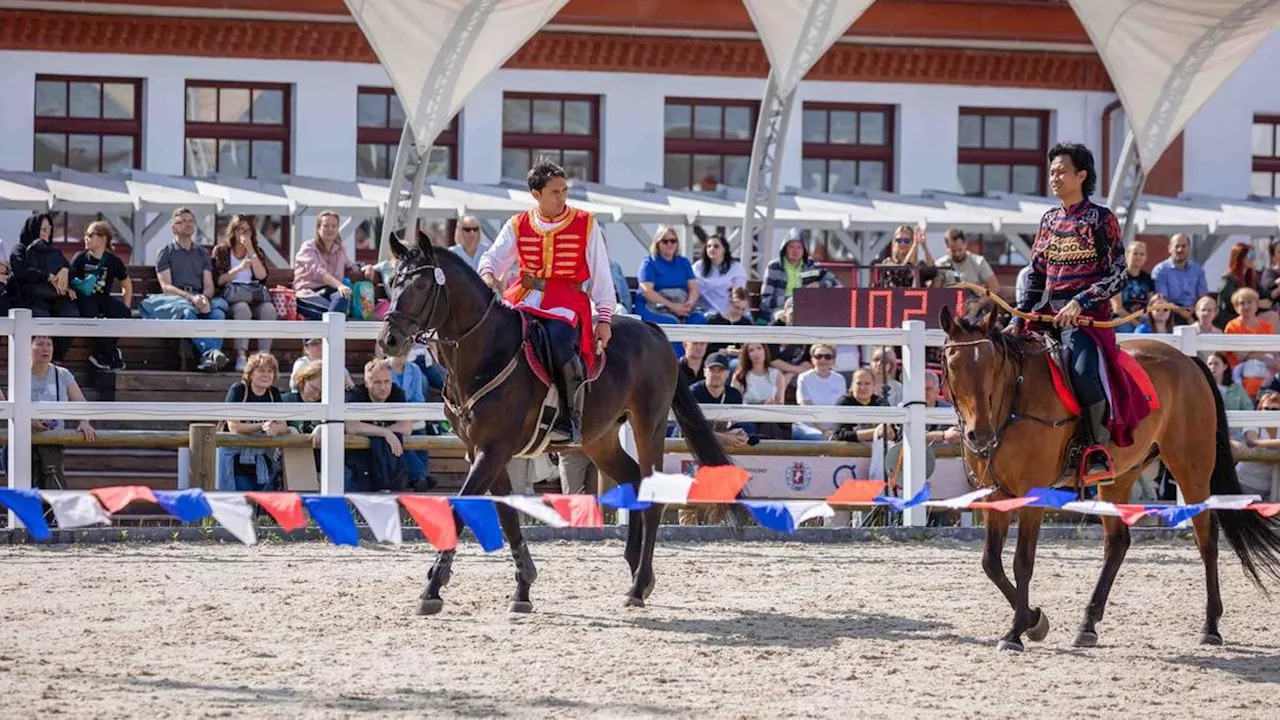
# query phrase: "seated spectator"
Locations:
[[382, 467], [884, 372], [1233, 393], [4, 280], [1178, 277], [862, 394], [320, 268], [791, 360], [736, 314], [620, 288], [52, 383], [1157, 320], [690, 364], [312, 351], [1269, 288], [962, 265], [240, 275], [469, 243], [1206, 314], [41, 278], [668, 287], [788, 271], [718, 274], [910, 247], [308, 384], [1240, 274], [819, 386], [1138, 286], [1262, 478], [760, 384], [185, 273], [245, 469], [1252, 368], [408, 376], [933, 399], [94, 271], [714, 389], [1020, 285]]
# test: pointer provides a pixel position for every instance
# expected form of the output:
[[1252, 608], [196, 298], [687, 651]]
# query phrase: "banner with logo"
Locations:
[[792, 477]]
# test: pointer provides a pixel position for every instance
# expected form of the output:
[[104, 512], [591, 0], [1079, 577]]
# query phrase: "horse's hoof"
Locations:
[[648, 589], [430, 606], [1086, 639], [1038, 631], [635, 601], [1009, 646], [1210, 639], [523, 607]]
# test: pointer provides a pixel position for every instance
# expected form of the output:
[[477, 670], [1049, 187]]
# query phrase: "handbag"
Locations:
[[286, 302], [253, 293]]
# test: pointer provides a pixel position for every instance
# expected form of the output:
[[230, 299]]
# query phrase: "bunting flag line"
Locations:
[[439, 517]]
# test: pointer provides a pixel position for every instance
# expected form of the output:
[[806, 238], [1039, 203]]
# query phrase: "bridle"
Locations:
[[429, 330]]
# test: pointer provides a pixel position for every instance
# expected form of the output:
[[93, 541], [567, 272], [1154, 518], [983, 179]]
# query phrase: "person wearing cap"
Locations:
[[714, 389], [312, 350], [793, 268]]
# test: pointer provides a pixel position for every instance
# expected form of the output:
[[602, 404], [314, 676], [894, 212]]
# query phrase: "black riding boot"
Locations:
[[1097, 464], [568, 428]]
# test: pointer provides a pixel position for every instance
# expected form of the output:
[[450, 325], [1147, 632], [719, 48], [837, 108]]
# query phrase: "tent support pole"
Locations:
[[391, 216]]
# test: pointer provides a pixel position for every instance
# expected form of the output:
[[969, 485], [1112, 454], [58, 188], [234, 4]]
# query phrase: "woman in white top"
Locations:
[[718, 273], [758, 383]]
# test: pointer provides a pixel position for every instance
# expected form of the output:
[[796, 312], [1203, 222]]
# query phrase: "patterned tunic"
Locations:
[[1077, 255]]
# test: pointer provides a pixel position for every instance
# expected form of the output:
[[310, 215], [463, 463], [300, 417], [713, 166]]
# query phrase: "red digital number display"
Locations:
[[875, 307]]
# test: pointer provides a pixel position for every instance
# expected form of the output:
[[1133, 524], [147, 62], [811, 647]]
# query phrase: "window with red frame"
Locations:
[[90, 124], [1265, 180], [562, 128], [708, 142], [237, 129], [1002, 150], [847, 147], [379, 122]]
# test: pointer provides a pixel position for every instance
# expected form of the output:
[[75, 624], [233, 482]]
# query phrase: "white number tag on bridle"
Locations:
[[439, 276]]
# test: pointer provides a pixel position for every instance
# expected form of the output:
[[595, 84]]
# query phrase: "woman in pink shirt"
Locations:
[[319, 269]]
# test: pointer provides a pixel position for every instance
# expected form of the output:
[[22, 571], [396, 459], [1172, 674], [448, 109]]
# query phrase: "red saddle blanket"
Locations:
[[1131, 392], [594, 365]]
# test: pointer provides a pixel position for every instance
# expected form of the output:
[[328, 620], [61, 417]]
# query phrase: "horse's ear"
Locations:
[[993, 316], [397, 247], [946, 321], [424, 241]]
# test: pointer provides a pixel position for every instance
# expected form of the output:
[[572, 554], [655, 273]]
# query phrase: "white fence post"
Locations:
[[1187, 336], [332, 444], [914, 467], [20, 395]]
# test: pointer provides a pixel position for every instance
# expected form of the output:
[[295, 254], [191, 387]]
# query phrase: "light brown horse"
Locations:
[[1017, 433]]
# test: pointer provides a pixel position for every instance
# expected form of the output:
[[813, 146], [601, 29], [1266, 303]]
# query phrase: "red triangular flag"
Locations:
[[284, 507], [577, 510], [435, 517], [1002, 505], [718, 484], [856, 492], [1266, 509], [115, 499], [1130, 514]]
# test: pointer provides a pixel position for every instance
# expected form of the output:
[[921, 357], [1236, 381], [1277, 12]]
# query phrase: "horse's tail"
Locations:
[[1251, 536], [703, 443]]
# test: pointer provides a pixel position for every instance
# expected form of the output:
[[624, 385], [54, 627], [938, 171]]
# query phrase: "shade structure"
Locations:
[[796, 33]]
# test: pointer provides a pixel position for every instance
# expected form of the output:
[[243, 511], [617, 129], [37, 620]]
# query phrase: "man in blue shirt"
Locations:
[[1178, 277]]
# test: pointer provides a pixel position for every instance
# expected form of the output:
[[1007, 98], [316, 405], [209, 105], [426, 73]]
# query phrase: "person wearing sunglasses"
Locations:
[[469, 244], [910, 248], [820, 386], [668, 286]]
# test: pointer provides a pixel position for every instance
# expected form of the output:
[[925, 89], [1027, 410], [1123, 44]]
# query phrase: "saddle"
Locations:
[[538, 355]]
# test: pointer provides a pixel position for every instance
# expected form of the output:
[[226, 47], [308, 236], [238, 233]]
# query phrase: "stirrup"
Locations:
[[1100, 478]]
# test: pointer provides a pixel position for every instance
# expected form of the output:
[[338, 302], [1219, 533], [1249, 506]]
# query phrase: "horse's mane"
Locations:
[[455, 266], [1015, 346]]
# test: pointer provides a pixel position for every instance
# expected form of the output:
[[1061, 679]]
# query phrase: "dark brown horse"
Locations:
[[494, 402], [1016, 437]]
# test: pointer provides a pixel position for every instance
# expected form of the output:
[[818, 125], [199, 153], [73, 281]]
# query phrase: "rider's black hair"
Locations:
[[541, 173], [1082, 159]]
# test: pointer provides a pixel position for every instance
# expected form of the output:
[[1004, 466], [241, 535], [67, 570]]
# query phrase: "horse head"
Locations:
[[414, 290], [981, 365]]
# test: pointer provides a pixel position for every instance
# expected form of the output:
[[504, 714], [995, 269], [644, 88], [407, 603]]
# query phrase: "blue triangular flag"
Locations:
[[481, 515], [29, 508], [333, 515], [623, 497], [1176, 514], [898, 504], [772, 515], [186, 505], [1049, 497]]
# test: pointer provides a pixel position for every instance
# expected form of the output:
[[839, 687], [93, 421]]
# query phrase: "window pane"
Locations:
[[578, 165], [1260, 181], [997, 131], [871, 128], [677, 121], [371, 162], [842, 176], [677, 173], [83, 153], [118, 101], [50, 150], [813, 173], [397, 112], [202, 159], [51, 98], [268, 158], [995, 178], [577, 117], [233, 158], [871, 175], [1026, 133], [233, 105], [1026, 179], [707, 167], [969, 178], [515, 162], [1264, 140], [736, 170], [737, 123], [844, 128], [813, 126], [546, 117], [970, 131], [86, 100], [515, 116], [117, 152], [268, 107], [371, 110], [706, 121], [438, 162], [202, 104]]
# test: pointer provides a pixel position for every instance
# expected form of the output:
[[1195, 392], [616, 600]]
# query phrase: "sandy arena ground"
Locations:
[[732, 630]]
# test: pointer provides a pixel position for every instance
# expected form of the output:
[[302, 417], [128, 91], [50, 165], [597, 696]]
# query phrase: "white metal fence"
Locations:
[[19, 410]]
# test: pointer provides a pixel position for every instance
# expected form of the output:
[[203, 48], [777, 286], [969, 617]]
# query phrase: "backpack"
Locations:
[[363, 300]]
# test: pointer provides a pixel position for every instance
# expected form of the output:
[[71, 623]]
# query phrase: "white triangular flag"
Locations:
[[382, 512], [1231, 502], [961, 502], [802, 510], [534, 508], [1092, 507], [232, 512], [75, 508], [665, 489]]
